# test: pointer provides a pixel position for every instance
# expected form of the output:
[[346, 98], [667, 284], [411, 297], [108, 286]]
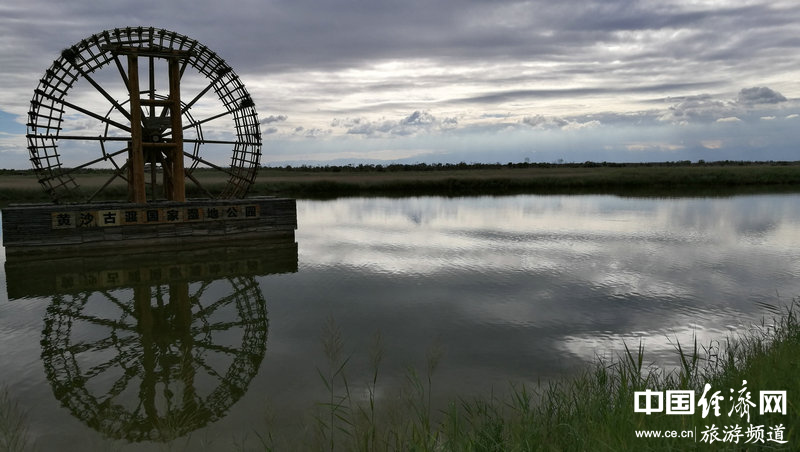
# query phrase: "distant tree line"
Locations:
[[400, 167]]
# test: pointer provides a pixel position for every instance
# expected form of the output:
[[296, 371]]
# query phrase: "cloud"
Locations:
[[581, 125], [653, 146], [760, 95], [703, 107], [711, 144], [311, 133], [418, 118], [544, 122], [552, 122], [414, 123], [273, 118]]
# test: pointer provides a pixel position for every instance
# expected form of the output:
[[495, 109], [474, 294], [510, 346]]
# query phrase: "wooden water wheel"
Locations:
[[94, 110]]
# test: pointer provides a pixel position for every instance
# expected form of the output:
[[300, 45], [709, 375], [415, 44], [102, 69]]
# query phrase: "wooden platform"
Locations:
[[44, 228]]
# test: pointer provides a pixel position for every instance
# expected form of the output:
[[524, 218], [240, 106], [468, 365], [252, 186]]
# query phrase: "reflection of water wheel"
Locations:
[[148, 128], [163, 363]]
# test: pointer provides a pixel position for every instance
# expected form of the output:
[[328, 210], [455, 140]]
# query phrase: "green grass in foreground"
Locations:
[[594, 411]]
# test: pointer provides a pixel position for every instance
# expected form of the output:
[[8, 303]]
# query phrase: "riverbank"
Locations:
[[593, 411], [586, 178], [651, 179]]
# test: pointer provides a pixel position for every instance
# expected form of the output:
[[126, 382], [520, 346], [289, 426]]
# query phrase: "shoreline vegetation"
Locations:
[[593, 410], [682, 178]]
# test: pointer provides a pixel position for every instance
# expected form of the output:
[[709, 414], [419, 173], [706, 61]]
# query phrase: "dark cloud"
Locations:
[[705, 108], [699, 108], [285, 36], [507, 65], [333, 34], [273, 118], [567, 93], [311, 133], [418, 118], [760, 95]]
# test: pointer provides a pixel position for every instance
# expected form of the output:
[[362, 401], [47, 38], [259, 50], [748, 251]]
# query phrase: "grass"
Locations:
[[670, 178], [636, 179], [593, 410], [13, 425]]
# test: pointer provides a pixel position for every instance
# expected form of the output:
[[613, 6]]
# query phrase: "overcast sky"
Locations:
[[465, 80]]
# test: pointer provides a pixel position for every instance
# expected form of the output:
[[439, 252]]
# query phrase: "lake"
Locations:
[[212, 347]]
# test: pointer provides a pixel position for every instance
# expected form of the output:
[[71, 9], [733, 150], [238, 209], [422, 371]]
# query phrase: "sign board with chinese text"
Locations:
[[75, 224]]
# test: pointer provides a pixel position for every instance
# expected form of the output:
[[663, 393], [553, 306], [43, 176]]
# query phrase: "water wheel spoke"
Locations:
[[121, 384], [217, 348], [209, 119], [185, 61], [208, 310], [203, 141], [84, 111], [98, 345], [209, 370], [200, 291], [114, 325], [122, 72], [197, 182], [225, 326], [212, 165], [119, 169], [204, 91], [99, 369], [124, 307], [117, 361], [81, 137], [116, 174], [108, 97], [76, 168]]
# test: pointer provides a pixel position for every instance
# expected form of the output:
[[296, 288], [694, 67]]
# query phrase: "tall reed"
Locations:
[[13, 425], [594, 410]]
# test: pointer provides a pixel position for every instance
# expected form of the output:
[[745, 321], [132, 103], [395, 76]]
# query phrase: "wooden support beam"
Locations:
[[136, 181], [176, 157], [156, 102], [158, 52]]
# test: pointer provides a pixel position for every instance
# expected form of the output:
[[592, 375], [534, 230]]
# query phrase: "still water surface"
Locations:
[[208, 348]]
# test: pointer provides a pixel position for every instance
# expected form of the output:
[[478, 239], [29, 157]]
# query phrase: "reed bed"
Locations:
[[651, 179], [593, 410]]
